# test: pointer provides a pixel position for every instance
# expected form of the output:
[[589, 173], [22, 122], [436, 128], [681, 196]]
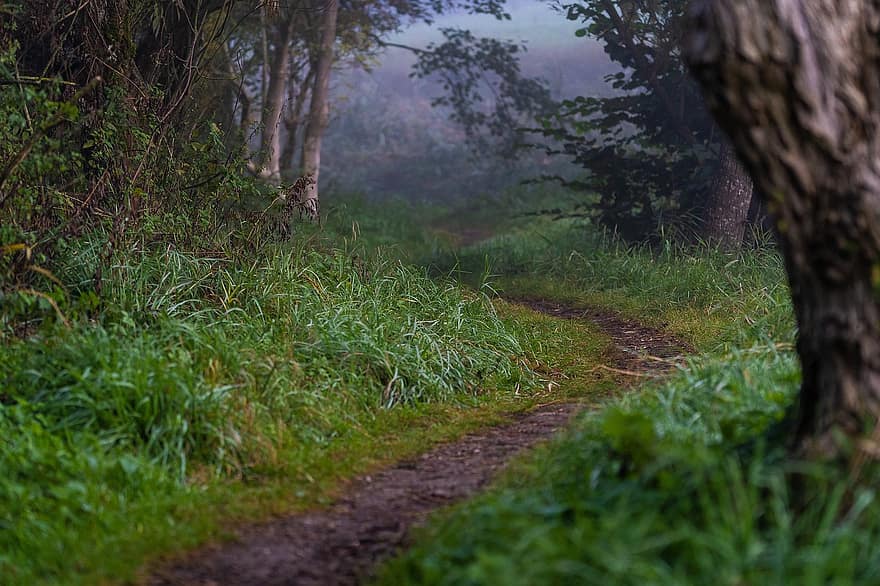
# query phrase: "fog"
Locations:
[[386, 139]]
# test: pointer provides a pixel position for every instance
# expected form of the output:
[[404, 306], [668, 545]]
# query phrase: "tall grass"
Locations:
[[696, 290], [685, 482], [210, 366], [669, 486]]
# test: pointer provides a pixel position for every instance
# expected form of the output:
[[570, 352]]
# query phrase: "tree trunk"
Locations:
[[796, 84], [727, 210], [294, 119], [759, 221], [319, 110], [264, 46], [270, 145]]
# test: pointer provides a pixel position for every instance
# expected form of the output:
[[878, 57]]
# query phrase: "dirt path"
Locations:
[[339, 545]]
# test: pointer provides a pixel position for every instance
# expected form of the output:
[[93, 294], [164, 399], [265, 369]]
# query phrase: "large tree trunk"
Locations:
[[319, 110], [796, 84], [270, 145], [727, 211]]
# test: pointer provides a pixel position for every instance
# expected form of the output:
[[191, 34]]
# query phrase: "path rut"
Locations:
[[340, 545]]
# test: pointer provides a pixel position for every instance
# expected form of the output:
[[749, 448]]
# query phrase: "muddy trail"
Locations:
[[343, 543]]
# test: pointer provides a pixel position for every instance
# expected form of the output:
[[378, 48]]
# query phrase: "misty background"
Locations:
[[385, 139]]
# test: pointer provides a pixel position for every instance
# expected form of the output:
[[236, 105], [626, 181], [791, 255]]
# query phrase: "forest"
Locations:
[[450, 292]]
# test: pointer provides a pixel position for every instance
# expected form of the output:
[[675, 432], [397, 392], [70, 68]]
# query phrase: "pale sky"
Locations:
[[534, 21]]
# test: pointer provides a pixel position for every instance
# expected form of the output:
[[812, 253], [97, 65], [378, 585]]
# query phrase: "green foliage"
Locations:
[[31, 189], [649, 149], [389, 224], [322, 323], [59, 492], [128, 395], [70, 168], [475, 72], [650, 491], [698, 291], [208, 367], [683, 482]]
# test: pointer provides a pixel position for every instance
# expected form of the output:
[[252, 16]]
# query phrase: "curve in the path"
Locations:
[[340, 545]]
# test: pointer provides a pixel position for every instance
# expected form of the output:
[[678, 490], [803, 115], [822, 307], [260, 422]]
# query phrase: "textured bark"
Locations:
[[319, 110], [795, 84], [727, 211]]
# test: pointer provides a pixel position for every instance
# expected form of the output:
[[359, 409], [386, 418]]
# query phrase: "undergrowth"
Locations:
[[193, 370], [695, 290], [684, 482], [669, 486]]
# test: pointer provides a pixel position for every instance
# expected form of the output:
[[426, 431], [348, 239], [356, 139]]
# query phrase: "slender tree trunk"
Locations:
[[319, 110], [727, 210], [270, 146], [264, 47], [796, 84], [241, 100], [294, 119]]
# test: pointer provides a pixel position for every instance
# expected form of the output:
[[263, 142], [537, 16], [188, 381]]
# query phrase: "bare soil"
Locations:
[[342, 544]]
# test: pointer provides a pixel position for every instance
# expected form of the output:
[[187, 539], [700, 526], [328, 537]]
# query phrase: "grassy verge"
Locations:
[[685, 482], [697, 292], [203, 390]]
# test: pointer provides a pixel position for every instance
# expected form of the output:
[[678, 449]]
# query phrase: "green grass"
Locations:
[[683, 482], [675, 485], [203, 390], [406, 230], [696, 291]]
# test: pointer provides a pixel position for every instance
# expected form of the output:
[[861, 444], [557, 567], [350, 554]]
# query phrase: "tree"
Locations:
[[285, 65], [796, 84], [276, 78], [728, 201], [319, 109], [651, 148], [140, 61], [484, 89]]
